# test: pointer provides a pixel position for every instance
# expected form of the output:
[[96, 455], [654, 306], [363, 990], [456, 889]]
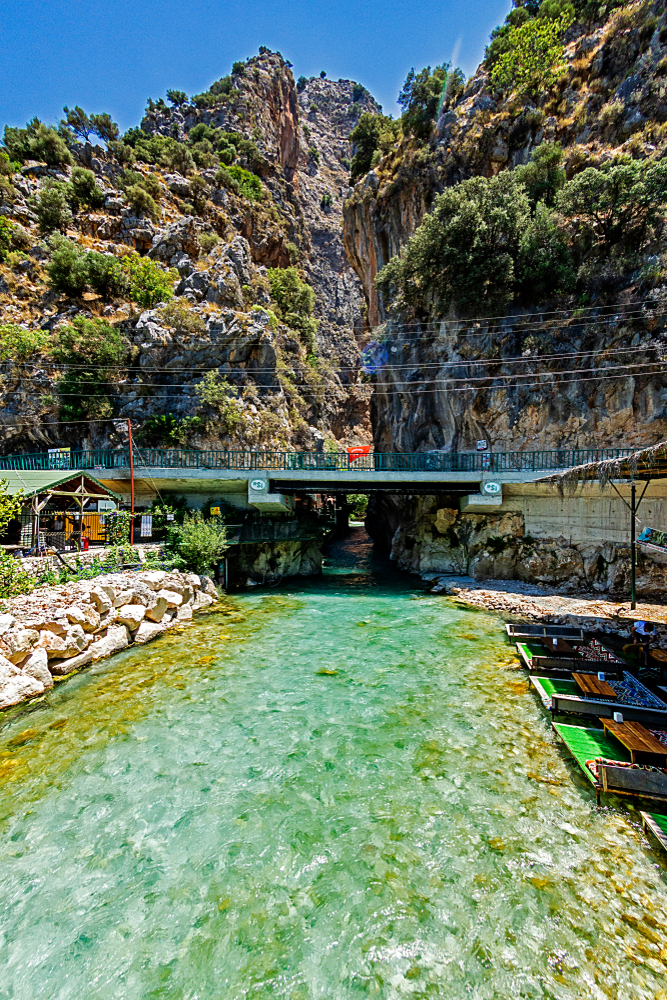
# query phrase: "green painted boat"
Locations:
[[655, 828], [613, 776]]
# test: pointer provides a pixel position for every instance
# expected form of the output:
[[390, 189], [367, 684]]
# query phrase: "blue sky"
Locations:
[[111, 55]]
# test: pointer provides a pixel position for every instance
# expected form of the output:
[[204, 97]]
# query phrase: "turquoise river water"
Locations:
[[341, 788]]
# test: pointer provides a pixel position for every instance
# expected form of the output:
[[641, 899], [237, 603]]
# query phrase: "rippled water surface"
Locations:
[[337, 789]]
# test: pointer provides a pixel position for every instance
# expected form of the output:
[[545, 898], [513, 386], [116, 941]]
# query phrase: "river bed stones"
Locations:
[[57, 630]]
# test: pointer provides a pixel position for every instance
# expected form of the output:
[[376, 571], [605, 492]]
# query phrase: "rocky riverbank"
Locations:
[[56, 631], [529, 602]]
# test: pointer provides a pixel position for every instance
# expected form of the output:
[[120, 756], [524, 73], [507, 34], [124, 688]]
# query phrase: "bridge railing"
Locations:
[[309, 461]]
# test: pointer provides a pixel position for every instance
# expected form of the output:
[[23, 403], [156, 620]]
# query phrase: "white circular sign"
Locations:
[[493, 488], [258, 484]]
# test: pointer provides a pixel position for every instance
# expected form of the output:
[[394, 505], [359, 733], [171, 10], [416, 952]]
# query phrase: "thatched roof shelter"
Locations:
[[648, 463]]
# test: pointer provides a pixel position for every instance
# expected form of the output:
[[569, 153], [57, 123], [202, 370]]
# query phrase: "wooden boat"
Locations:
[[606, 764], [655, 828], [560, 695], [519, 630], [563, 657]]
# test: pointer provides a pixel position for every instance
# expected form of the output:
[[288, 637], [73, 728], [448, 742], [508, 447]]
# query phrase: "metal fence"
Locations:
[[276, 531], [304, 461]]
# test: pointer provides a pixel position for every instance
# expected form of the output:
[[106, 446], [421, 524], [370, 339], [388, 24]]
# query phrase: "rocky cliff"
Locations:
[[279, 390], [445, 382]]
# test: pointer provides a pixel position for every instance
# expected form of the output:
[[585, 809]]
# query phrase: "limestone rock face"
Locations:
[[16, 686], [157, 612], [37, 666], [19, 642], [117, 638], [101, 600], [173, 599], [86, 616], [60, 668], [131, 615], [147, 630]]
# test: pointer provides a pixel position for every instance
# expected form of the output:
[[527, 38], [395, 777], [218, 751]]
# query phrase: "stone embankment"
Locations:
[[57, 630]]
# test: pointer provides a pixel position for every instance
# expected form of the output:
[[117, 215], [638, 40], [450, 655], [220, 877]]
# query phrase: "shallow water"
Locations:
[[336, 789]]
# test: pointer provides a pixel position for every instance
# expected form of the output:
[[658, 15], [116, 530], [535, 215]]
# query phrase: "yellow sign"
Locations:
[[215, 512]]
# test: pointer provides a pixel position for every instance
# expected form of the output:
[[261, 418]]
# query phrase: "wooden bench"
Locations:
[[643, 746], [591, 684]]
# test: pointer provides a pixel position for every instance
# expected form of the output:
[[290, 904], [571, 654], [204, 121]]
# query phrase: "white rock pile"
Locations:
[[57, 630]]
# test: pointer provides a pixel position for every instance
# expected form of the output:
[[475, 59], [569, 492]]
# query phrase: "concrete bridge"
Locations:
[[267, 480]]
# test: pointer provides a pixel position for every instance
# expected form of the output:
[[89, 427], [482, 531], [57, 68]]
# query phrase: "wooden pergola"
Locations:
[[38, 488], [641, 466]]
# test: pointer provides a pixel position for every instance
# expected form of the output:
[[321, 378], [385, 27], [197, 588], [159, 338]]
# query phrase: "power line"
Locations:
[[415, 390], [517, 359], [376, 385]]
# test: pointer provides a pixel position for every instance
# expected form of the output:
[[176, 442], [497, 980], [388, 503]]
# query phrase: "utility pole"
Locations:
[[129, 432], [633, 546]]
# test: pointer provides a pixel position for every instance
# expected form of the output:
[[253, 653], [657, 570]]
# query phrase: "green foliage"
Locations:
[[117, 525], [249, 185], [301, 84], [141, 202], [224, 179], [358, 92], [6, 234], [7, 166], [71, 269], [163, 429], [326, 200], [149, 182], [104, 127], [545, 260], [37, 142], [179, 315], [617, 207], [123, 152], [294, 302], [464, 252], [177, 97], [179, 158], [67, 268], [84, 189], [420, 98], [18, 344], [207, 241], [95, 353], [14, 580], [366, 137], [217, 393], [52, 206], [76, 123], [102, 274], [543, 176], [147, 282], [238, 67], [533, 58], [199, 191], [359, 504], [199, 541]]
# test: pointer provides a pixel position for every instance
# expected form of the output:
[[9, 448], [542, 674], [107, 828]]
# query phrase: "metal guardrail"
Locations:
[[305, 461]]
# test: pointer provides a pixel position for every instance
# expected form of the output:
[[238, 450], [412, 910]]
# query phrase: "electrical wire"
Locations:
[[376, 385], [516, 359], [414, 389]]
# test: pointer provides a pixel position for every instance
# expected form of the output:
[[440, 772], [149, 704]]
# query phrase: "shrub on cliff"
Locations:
[[366, 138], [37, 142], [18, 344], [529, 56], [220, 396], [294, 302], [199, 541], [250, 186], [52, 206], [14, 580], [617, 208], [67, 268], [420, 98], [464, 252], [543, 176], [141, 202], [84, 190], [147, 283], [545, 265], [6, 234], [93, 353]]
